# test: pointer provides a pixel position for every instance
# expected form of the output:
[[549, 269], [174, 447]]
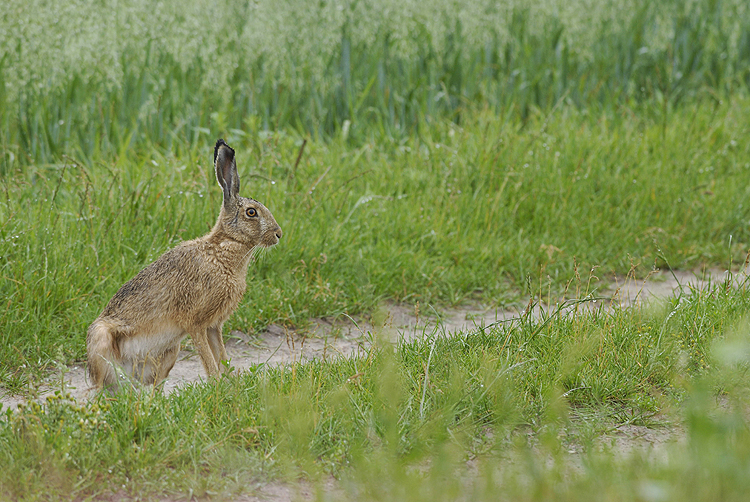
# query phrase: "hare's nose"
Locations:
[[278, 233]]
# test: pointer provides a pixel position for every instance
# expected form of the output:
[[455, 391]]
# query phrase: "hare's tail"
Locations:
[[103, 354]]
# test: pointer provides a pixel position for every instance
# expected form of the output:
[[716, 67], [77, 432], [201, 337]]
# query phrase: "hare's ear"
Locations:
[[226, 171]]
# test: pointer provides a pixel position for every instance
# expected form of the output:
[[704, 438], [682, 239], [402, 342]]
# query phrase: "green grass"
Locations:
[[486, 154], [511, 399], [484, 212], [461, 157]]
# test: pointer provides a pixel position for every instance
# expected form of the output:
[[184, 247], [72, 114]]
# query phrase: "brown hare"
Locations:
[[190, 290]]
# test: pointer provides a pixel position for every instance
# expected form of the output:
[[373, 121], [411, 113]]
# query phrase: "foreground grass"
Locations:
[[510, 399], [485, 212]]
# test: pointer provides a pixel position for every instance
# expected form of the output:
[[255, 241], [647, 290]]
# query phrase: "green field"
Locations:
[[482, 155]]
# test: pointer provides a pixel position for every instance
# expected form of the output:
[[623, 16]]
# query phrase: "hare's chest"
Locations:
[[228, 296], [235, 290], [220, 284]]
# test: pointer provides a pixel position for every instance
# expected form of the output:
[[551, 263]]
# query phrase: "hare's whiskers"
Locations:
[[252, 253]]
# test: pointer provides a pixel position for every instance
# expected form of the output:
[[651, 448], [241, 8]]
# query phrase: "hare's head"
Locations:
[[242, 219]]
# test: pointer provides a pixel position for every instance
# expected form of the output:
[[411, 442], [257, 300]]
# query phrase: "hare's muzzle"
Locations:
[[273, 236]]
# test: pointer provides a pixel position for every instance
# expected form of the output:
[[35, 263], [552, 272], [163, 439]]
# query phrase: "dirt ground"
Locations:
[[342, 338], [278, 345]]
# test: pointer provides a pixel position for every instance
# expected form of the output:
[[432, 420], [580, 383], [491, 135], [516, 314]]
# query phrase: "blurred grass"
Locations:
[[139, 75], [490, 413]]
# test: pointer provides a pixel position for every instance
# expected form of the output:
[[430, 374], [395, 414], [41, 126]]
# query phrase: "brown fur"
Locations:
[[189, 291]]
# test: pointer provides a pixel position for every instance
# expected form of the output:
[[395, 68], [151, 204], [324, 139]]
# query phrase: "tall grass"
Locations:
[[91, 78], [483, 212]]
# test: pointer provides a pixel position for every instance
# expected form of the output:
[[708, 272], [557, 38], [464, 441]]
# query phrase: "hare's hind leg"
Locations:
[[103, 354], [217, 346], [154, 366], [167, 363], [202, 345]]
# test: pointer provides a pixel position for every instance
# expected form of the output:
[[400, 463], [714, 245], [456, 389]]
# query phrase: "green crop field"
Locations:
[[454, 153]]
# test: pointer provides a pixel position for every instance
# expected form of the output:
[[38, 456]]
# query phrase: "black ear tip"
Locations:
[[219, 143]]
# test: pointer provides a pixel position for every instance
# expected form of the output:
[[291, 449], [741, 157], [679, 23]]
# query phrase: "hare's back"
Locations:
[[170, 279]]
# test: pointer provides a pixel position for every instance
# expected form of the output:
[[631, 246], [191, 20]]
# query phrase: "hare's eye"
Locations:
[[251, 212]]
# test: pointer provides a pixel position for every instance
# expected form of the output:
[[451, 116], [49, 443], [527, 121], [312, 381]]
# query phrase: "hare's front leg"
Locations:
[[210, 364], [217, 346]]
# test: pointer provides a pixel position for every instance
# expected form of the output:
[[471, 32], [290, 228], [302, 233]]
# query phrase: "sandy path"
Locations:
[[322, 339]]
